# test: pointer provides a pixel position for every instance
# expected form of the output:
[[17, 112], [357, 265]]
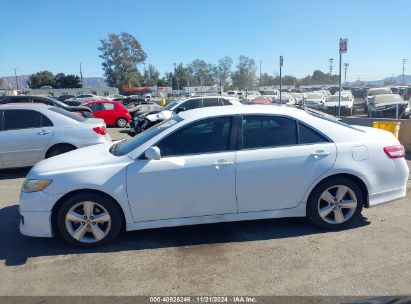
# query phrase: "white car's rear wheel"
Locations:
[[89, 220], [335, 203]]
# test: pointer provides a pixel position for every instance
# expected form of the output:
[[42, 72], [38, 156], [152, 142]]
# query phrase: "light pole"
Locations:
[[342, 49], [404, 62], [281, 78], [15, 75], [346, 65]]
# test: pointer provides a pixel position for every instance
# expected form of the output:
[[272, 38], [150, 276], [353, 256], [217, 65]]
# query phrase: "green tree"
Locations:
[[121, 55], [244, 77], [1, 82], [222, 71], [151, 76], [266, 80], [202, 72], [62, 81], [39, 79]]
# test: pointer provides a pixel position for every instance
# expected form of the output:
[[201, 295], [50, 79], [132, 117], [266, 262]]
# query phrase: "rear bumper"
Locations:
[[387, 196]]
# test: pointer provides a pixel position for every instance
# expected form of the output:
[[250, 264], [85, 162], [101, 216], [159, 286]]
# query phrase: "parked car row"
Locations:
[[30, 132]]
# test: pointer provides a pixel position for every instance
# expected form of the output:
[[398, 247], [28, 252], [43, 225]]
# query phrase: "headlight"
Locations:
[[34, 185]]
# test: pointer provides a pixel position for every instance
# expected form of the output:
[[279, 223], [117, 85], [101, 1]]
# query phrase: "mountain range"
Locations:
[[89, 82]]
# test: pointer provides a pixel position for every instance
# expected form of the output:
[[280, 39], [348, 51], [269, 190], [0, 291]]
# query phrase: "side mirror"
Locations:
[[153, 153], [180, 109]]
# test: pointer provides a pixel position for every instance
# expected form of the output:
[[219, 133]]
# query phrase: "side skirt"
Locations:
[[298, 211]]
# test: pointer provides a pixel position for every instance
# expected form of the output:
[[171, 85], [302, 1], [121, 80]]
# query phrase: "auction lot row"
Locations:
[[281, 256]]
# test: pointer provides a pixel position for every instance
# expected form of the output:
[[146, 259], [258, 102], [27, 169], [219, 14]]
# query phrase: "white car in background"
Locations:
[[83, 98], [215, 164], [193, 103], [32, 132], [286, 99], [315, 100], [389, 106], [347, 104], [370, 93]]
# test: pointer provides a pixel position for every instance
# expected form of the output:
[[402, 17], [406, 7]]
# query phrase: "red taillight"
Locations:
[[395, 151], [100, 130]]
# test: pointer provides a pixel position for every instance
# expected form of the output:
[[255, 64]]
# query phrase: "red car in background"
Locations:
[[114, 113]]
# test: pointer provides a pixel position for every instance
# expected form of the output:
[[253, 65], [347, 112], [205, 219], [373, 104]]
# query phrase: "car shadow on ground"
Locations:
[[14, 173], [15, 248]]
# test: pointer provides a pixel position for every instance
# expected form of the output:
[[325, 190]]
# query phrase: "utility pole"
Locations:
[[81, 75], [331, 65], [404, 62], [346, 65], [15, 75], [175, 75], [342, 49], [281, 78]]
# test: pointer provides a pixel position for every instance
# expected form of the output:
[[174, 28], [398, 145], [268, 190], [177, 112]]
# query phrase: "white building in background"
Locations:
[[104, 91], [215, 89]]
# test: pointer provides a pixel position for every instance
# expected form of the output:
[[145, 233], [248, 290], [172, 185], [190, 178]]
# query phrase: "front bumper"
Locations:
[[35, 213], [36, 224]]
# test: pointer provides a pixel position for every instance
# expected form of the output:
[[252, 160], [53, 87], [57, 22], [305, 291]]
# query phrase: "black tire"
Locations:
[[59, 149], [111, 207], [121, 122], [313, 203]]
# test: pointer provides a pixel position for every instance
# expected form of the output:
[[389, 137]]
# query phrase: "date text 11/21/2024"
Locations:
[[203, 299]]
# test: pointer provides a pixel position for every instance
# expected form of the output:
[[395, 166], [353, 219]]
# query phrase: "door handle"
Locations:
[[223, 162], [321, 153], [43, 132]]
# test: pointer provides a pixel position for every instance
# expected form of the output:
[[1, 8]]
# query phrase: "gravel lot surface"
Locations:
[[266, 257]]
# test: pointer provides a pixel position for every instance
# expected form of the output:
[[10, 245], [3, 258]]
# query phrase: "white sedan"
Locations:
[[31, 132], [215, 164]]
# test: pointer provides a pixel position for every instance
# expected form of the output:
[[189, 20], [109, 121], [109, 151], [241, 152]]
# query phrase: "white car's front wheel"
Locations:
[[335, 203], [89, 220]]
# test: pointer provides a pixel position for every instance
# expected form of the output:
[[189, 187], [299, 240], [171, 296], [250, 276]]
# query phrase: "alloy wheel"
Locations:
[[337, 204], [88, 222]]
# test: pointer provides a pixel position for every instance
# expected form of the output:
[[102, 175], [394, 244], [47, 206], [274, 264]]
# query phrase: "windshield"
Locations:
[[170, 105], [335, 98], [379, 92], [315, 96], [125, 147], [68, 114], [334, 120], [389, 99]]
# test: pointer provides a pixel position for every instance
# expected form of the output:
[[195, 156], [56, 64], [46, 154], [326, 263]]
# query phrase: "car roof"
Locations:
[[238, 110], [23, 105]]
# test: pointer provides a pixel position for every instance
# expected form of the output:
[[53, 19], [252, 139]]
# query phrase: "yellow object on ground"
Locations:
[[390, 126], [162, 102]]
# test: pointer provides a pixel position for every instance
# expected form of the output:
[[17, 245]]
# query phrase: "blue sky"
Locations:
[[57, 35]]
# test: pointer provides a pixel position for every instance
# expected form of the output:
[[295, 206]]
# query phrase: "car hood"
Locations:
[[344, 103], [160, 115], [315, 100], [76, 160]]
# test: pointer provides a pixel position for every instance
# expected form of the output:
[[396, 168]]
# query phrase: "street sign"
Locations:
[[343, 45], [281, 60]]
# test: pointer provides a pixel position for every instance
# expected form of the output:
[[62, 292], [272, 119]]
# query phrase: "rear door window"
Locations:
[[260, 131], [96, 107], [21, 119], [108, 106], [211, 102], [191, 104], [309, 136]]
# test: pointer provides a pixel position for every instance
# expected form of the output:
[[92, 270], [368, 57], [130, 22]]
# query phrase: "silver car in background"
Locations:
[[32, 132]]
